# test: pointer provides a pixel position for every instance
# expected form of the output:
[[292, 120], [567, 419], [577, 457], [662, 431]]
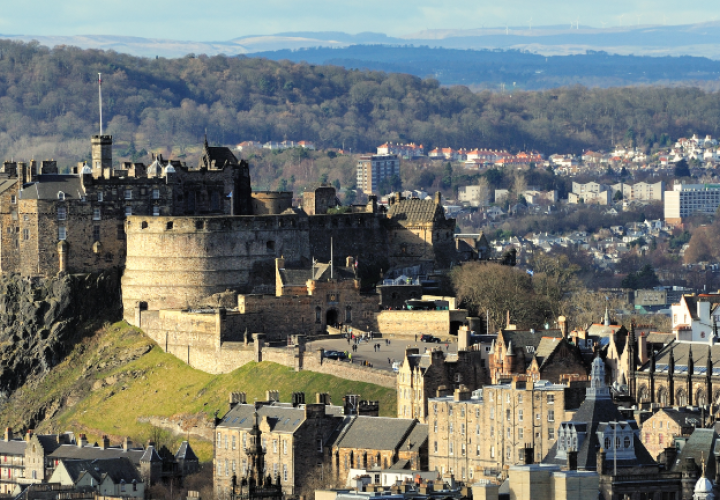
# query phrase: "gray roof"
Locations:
[[701, 446], [119, 469], [48, 186], [681, 353], [281, 417], [71, 451], [185, 452], [7, 183], [415, 210], [417, 438], [13, 447], [593, 412], [150, 455], [377, 433]]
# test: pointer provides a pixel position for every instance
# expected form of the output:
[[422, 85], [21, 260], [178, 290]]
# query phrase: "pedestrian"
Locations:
[[378, 347], [416, 337], [389, 361], [447, 347]]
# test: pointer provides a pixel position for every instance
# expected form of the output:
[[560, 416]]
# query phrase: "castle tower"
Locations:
[[101, 154]]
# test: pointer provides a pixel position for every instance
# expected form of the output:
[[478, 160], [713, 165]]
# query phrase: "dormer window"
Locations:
[[61, 196]]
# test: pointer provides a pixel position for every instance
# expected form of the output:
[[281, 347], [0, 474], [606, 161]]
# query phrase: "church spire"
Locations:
[[607, 316]]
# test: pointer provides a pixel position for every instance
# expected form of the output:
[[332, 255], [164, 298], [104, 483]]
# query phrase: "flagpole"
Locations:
[[100, 100]]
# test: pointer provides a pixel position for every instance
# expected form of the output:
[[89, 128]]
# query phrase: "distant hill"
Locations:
[[702, 39], [514, 68]]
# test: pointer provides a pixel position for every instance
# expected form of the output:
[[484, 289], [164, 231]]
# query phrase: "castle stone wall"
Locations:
[[176, 262]]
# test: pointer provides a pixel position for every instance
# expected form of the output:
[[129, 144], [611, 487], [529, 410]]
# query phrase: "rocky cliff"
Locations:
[[42, 319]]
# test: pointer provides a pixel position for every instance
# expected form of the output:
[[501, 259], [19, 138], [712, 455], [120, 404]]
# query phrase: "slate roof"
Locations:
[[12, 447], [524, 338], [681, 353], [701, 444], [281, 417], [49, 442], [118, 469], [150, 455], [415, 210], [48, 186], [681, 416], [418, 436], [72, 451], [219, 154], [377, 433], [185, 452], [7, 183], [659, 338]]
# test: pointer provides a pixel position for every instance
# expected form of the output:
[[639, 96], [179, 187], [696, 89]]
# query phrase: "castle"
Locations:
[[202, 253]]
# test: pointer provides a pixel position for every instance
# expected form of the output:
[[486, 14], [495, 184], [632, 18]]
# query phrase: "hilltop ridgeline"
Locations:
[[170, 103]]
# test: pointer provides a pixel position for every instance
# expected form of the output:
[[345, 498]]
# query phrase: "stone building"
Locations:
[[660, 430], [295, 438], [598, 438], [54, 222], [539, 354], [680, 374], [421, 376], [476, 434], [378, 443], [112, 477]]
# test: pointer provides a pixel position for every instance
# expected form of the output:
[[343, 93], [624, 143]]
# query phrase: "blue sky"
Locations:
[[225, 19]]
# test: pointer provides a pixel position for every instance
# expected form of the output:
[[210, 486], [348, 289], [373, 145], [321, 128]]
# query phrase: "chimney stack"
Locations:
[[104, 443], [8, 434]]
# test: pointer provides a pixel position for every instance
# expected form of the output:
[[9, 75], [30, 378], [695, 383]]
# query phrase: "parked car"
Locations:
[[337, 355], [429, 338]]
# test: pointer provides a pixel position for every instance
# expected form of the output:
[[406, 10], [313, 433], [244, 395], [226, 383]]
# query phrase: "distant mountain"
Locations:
[[512, 68], [696, 39]]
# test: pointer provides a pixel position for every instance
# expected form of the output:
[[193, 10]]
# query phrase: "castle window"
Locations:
[[348, 314], [128, 194], [270, 245], [199, 224], [156, 211], [626, 442], [215, 201], [96, 233], [121, 231], [26, 234], [551, 415], [520, 415], [551, 433], [284, 447], [13, 199], [128, 211], [26, 217], [62, 233], [551, 399], [100, 196], [61, 196], [233, 442], [169, 225], [435, 427], [435, 446], [285, 472], [96, 214], [520, 433], [318, 315], [155, 194], [62, 213]]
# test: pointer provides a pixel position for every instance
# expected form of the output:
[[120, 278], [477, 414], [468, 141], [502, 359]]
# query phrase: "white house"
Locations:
[[115, 477], [694, 318]]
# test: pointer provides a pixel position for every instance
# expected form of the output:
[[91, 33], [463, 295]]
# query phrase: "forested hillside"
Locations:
[[48, 107]]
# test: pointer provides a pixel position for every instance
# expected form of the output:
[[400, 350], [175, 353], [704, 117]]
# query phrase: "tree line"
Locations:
[[48, 106]]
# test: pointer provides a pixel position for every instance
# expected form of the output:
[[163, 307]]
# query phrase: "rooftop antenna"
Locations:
[[100, 99]]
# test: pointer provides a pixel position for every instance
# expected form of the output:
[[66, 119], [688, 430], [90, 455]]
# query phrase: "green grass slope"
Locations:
[[118, 376]]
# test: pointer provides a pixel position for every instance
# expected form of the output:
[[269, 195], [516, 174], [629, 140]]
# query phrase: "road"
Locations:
[[379, 359]]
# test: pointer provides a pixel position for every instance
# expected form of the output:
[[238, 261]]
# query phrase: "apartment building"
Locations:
[[476, 434], [687, 199], [372, 169]]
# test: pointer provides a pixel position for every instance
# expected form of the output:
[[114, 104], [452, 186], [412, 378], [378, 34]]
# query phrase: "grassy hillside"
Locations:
[[118, 376]]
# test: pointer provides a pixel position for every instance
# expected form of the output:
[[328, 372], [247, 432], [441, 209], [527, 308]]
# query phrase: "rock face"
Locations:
[[42, 319]]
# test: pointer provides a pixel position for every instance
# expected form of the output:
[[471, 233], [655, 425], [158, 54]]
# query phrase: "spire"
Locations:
[[205, 142], [607, 316], [598, 389]]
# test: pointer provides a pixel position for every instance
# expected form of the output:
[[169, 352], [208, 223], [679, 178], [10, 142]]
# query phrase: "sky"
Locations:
[[220, 20]]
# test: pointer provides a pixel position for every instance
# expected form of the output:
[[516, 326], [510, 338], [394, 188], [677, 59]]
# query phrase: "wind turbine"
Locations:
[[530, 24]]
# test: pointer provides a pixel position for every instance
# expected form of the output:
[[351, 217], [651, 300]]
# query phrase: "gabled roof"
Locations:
[[321, 271], [71, 451], [48, 186], [118, 469], [415, 210], [151, 455], [701, 446], [13, 447], [378, 433]]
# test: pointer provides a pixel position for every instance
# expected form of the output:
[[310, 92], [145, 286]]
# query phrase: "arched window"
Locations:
[[700, 398], [318, 315], [348, 314], [608, 443], [643, 395], [662, 396], [626, 442], [61, 196], [681, 397]]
